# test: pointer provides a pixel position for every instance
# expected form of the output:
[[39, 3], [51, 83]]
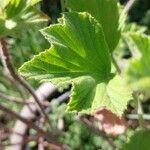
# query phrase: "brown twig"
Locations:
[[7, 64], [52, 137], [89, 125], [17, 100], [17, 116], [45, 91], [9, 130], [12, 83]]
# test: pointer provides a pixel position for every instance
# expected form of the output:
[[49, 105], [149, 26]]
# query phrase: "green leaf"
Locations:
[[88, 95], [18, 15], [3, 3], [23, 10], [78, 48], [79, 55], [139, 141], [106, 12], [139, 70]]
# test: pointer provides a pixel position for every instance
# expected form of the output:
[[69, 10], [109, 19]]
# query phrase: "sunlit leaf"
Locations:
[[79, 56], [19, 14]]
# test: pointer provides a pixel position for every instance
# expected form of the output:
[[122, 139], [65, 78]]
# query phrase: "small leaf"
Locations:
[[139, 70], [18, 9], [139, 141], [106, 12], [18, 15], [79, 56]]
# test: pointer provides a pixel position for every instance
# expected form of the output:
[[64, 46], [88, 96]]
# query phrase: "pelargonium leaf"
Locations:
[[107, 14], [78, 48], [79, 56]]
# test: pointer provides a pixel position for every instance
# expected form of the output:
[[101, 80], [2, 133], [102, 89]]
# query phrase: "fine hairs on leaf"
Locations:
[[79, 55]]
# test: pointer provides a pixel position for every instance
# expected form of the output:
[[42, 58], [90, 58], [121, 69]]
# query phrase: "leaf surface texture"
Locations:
[[79, 56]]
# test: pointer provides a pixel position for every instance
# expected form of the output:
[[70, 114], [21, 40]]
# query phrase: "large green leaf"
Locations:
[[139, 68], [139, 141], [79, 55], [106, 12]]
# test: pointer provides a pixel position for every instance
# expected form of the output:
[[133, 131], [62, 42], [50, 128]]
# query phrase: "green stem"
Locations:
[[135, 116], [62, 5], [140, 112], [115, 64]]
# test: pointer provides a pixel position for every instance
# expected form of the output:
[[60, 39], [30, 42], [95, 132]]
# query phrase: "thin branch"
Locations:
[[95, 130], [26, 140], [17, 116], [11, 98], [115, 64], [124, 13], [136, 117], [128, 6], [9, 130], [45, 91], [17, 100], [50, 136], [7, 63]]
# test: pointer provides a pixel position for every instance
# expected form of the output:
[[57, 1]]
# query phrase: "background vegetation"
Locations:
[[73, 132]]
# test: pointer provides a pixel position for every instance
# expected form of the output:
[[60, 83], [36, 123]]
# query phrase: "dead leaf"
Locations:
[[110, 123]]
